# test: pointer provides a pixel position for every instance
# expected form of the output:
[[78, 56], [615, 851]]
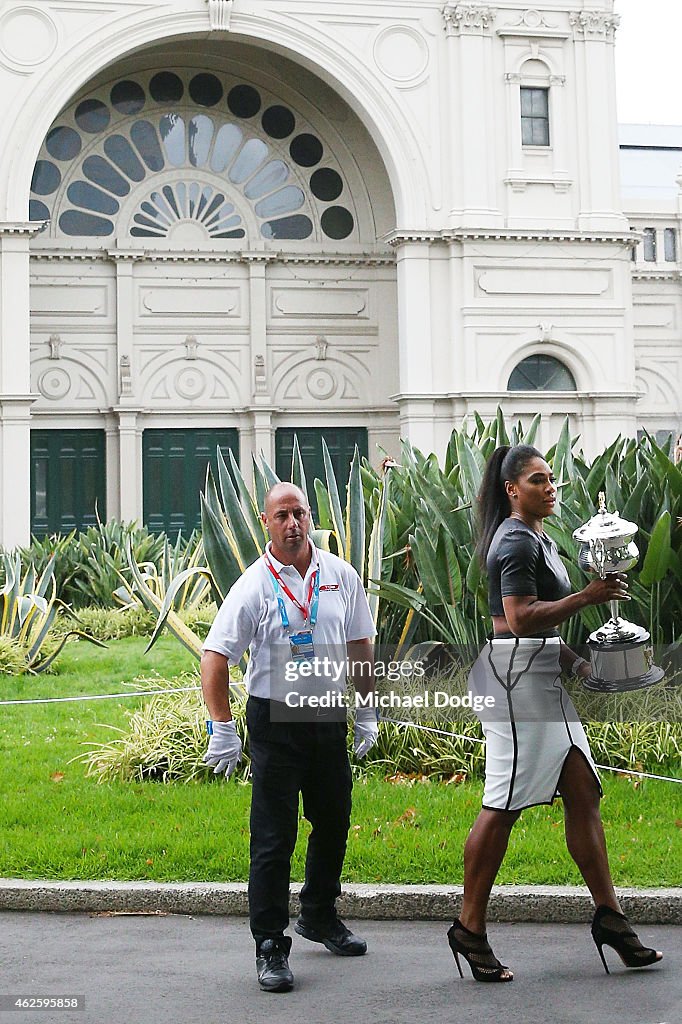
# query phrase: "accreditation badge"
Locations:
[[301, 643]]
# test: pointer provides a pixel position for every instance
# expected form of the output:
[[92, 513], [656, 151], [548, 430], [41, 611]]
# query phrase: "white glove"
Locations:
[[224, 747], [366, 730]]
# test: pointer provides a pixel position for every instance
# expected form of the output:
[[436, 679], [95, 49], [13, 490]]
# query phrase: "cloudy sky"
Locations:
[[648, 61]]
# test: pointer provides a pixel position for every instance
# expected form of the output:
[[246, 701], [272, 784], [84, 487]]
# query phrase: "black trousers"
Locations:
[[288, 758]]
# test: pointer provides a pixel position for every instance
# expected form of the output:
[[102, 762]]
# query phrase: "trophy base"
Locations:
[[623, 662], [654, 675]]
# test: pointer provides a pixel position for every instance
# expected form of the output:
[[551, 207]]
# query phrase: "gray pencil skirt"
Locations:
[[533, 725]]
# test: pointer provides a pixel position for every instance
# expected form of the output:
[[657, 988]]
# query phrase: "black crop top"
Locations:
[[523, 563]]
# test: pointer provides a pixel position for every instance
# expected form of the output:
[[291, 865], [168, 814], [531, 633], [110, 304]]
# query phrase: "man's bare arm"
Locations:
[[215, 685]]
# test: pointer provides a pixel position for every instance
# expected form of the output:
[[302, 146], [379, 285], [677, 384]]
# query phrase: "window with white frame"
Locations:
[[541, 373], [670, 245], [534, 115], [649, 245]]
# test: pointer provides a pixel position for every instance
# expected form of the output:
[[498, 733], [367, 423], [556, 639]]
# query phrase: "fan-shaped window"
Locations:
[[196, 149], [541, 373]]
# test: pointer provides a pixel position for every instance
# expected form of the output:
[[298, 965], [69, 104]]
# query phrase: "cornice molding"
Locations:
[[156, 256], [545, 397], [594, 25], [397, 238], [123, 255], [518, 182], [466, 17], [638, 274], [23, 227]]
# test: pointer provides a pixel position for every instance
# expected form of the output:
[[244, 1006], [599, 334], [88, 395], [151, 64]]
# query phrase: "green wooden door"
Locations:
[[174, 473], [341, 442], [68, 480]]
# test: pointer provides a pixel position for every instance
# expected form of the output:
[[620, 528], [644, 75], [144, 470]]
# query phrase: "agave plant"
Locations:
[[447, 590], [28, 609], [234, 535], [87, 565], [408, 530], [159, 576]]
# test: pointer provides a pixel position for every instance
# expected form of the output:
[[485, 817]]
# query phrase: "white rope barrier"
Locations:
[[382, 718], [478, 739], [105, 696]]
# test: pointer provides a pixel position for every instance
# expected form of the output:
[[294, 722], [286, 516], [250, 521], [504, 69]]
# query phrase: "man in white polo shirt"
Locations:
[[294, 606]]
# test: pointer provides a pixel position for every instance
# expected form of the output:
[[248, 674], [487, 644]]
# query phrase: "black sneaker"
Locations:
[[335, 936], [272, 966]]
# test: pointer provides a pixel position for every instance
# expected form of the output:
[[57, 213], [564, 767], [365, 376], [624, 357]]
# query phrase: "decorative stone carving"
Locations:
[[55, 343], [545, 329], [214, 376], [346, 377], [533, 20], [260, 378], [401, 53], [125, 376], [461, 17], [321, 384], [28, 37], [191, 347], [594, 24], [219, 14], [190, 383], [54, 384], [321, 346]]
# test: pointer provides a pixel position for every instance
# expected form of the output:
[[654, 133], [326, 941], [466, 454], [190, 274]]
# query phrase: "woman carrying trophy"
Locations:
[[536, 748]]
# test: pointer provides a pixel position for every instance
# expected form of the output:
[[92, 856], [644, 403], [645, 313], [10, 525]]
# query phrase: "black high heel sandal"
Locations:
[[609, 928], [477, 952]]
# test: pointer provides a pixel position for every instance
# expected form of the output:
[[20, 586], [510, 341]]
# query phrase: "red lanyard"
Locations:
[[304, 609]]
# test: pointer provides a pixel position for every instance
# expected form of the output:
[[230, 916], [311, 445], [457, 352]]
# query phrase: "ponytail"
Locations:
[[493, 506], [492, 502]]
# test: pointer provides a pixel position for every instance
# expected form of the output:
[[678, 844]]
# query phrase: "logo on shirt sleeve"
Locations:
[[330, 586]]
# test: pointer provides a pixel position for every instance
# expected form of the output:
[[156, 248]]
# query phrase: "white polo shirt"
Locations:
[[249, 617]]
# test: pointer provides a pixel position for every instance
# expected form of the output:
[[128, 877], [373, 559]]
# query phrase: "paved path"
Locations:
[[169, 969]]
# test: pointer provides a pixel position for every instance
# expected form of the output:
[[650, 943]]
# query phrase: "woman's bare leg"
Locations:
[[484, 852], [584, 830]]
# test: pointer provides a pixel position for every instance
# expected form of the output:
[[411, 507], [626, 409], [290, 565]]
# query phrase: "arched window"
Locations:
[[535, 104], [541, 373], [188, 157]]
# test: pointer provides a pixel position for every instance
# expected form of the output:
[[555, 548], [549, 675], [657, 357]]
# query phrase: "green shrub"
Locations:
[[166, 739], [13, 656], [199, 619], [110, 623], [30, 614]]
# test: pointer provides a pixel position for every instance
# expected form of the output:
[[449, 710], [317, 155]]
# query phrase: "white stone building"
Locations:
[[226, 221]]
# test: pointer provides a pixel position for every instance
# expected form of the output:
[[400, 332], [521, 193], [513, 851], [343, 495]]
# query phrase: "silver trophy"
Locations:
[[621, 652]]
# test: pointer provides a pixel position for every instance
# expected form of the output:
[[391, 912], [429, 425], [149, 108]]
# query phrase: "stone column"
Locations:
[[15, 384], [471, 122], [600, 201], [129, 485], [415, 341], [260, 434], [130, 463]]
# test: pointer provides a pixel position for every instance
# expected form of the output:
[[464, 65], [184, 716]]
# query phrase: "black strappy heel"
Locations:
[[477, 952], [609, 928]]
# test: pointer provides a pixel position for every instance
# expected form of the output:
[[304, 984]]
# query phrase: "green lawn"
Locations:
[[56, 823]]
